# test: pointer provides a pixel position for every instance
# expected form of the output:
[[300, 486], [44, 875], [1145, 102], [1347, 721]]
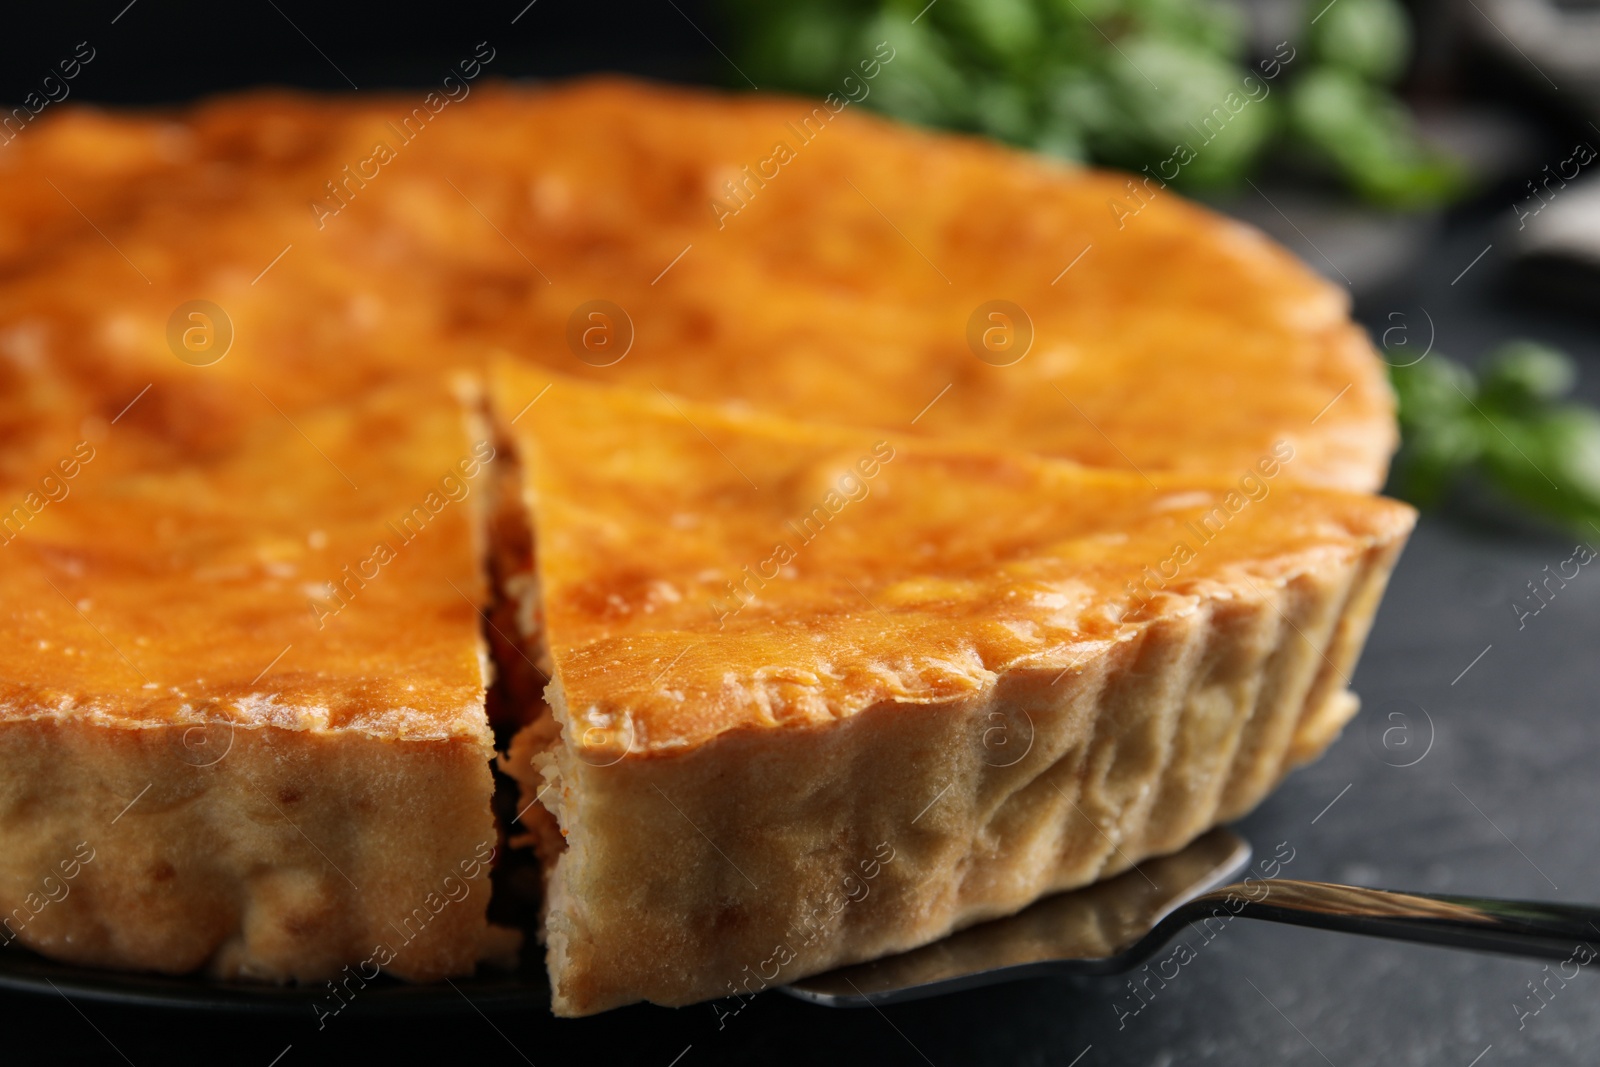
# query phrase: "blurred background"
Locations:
[[1438, 159]]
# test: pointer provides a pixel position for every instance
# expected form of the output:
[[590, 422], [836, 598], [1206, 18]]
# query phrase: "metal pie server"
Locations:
[[1117, 924]]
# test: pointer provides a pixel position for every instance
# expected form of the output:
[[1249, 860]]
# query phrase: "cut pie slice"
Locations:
[[822, 694], [242, 718]]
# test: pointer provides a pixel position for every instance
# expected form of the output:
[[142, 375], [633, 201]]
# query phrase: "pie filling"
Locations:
[[526, 731]]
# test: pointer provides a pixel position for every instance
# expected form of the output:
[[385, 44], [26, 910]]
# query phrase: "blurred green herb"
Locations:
[[1122, 82], [1508, 428]]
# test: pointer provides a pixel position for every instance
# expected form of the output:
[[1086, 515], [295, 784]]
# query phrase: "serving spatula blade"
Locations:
[[1085, 931]]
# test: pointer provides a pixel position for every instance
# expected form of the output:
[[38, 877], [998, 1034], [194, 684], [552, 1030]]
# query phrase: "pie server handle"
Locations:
[[1485, 924]]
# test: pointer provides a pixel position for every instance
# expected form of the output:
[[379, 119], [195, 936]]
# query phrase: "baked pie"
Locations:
[[928, 533]]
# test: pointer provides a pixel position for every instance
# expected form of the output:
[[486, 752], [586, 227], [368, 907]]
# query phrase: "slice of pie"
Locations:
[[823, 694], [242, 721]]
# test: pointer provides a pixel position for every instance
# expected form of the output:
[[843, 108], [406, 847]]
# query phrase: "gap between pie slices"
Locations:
[[794, 666]]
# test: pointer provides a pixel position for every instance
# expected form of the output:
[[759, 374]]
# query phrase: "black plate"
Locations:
[[526, 988]]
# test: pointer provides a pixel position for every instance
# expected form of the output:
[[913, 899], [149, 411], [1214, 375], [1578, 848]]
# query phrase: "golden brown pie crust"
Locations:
[[842, 292]]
